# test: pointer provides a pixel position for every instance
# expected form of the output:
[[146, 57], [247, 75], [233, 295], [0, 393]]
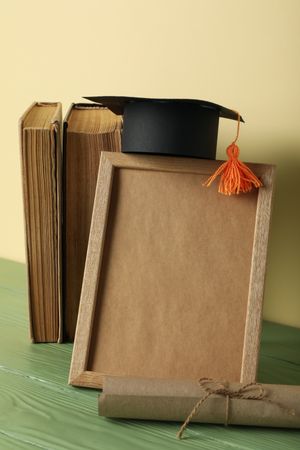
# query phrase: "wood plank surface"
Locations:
[[38, 410]]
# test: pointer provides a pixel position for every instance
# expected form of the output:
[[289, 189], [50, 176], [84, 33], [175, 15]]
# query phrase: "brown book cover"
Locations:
[[88, 130], [41, 157]]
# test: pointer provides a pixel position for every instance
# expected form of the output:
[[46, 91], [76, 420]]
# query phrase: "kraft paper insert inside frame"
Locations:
[[174, 275]]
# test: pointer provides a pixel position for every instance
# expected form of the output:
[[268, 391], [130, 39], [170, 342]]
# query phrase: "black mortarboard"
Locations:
[[177, 127]]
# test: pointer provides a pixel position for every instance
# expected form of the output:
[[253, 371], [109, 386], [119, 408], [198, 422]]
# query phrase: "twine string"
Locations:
[[249, 391], [226, 411]]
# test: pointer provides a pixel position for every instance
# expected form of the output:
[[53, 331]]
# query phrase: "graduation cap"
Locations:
[[175, 127]]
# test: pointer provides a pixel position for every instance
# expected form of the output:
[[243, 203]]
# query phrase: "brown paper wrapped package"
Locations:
[[173, 400]]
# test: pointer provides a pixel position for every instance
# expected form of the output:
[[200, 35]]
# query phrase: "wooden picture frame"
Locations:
[[155, 205]]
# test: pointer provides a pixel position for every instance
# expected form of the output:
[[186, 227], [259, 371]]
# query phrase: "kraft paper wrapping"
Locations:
[[173, 400], [171, 247]]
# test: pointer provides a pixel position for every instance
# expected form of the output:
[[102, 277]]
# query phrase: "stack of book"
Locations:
[[59, 170]]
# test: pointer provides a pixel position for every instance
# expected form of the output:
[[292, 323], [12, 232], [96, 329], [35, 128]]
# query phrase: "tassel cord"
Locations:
[[236, 177]]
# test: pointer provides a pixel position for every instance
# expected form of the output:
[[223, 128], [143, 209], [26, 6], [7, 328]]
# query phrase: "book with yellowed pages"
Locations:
[[88, 130], [41, 158]]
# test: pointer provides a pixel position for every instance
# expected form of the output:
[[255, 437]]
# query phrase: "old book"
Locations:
[[88, 129], [41, 157]]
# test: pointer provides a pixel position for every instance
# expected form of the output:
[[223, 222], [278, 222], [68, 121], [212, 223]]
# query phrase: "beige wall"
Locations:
[[240, 53]]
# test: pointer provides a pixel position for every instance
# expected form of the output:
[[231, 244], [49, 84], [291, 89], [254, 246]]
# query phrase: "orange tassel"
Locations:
[[236, 177]]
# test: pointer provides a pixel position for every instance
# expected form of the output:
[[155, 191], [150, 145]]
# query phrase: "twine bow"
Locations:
[[250, 391]]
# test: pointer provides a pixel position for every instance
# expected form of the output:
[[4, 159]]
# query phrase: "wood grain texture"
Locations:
[[80, 372], [173, 164], [91, 272], [38, 410], [257, 277]]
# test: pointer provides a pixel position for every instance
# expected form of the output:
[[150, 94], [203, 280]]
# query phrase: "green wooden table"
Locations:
[[39, 410]]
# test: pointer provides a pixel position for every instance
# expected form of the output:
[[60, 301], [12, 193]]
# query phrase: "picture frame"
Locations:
[[174, 276]]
